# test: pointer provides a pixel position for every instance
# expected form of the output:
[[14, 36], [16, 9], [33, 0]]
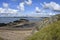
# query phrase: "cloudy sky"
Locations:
[[29, 7]]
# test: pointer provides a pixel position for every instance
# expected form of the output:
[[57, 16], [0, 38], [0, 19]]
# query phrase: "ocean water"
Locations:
[[11, 19]]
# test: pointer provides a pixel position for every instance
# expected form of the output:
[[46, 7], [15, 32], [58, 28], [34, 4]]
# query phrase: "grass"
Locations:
[[51, 32], [1, 38]]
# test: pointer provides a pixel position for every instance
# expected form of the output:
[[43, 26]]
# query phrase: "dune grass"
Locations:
[[1, 38], [51, 32]]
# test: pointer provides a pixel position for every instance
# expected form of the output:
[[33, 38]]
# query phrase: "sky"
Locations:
[[36, 8]]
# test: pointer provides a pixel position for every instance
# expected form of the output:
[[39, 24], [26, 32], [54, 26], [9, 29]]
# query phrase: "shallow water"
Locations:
[[11, 19]]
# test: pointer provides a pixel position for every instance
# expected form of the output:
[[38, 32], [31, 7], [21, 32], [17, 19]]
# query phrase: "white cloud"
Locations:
[[52, 5], [8, 12], [37, 9], [6, 9], [21, 6], [11, 11], [5, 5], [29, 2]]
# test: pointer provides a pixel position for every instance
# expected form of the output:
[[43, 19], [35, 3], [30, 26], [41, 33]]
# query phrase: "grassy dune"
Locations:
[[51, 32], [1, 38]]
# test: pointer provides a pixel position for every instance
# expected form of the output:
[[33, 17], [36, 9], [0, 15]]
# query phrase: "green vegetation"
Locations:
[[58, 16], [51, 32], [1, 38]]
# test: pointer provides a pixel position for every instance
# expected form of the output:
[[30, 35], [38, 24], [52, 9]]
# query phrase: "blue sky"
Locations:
[[29, 7]]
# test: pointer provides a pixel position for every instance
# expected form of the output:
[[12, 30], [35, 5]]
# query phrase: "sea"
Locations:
[[11, 19]]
